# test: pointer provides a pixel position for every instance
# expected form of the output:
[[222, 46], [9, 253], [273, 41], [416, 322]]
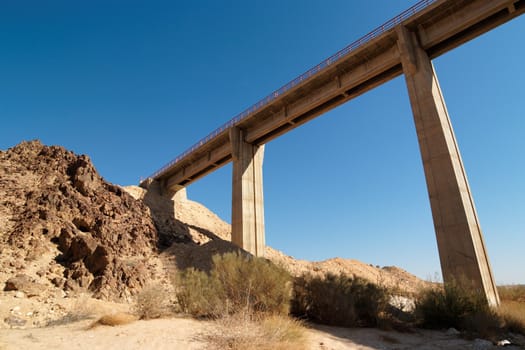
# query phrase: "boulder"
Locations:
[[25, 284]]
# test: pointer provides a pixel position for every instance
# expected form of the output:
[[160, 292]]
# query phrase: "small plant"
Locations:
[[236, 283], [151, 302], [339, 300]]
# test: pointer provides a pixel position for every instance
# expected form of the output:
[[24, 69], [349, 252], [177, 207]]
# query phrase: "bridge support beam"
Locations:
[[460, 242], [247, 194]]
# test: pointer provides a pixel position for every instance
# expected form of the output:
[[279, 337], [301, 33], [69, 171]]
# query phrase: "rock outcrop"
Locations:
[[55, 206]]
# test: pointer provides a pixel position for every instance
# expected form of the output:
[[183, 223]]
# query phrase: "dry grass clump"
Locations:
[[515, 293], [340, 300], [236, 283], [467, 310], [512, 309], [453, 306], [512, 314], [151, 302], [246, 331], [248, 297], [115, 319]]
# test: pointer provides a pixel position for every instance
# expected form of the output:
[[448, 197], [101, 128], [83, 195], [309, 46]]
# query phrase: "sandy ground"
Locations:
[[185, 333]]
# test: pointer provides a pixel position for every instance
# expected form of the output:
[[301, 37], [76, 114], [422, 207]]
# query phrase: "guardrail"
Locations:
[[303, 77]]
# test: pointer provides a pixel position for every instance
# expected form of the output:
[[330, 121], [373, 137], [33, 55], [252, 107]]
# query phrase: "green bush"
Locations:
[[196, 295], [453, 306], [339, 300], [236, 283]]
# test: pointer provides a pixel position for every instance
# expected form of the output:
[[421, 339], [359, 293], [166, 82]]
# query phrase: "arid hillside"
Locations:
[[65, 231]]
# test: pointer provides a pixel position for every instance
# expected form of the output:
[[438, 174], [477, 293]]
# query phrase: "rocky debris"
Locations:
[[54, 204], [25, 284], [482, 344], [15, 321]]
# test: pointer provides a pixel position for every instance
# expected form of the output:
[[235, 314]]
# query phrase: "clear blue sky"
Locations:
[[133, 83]]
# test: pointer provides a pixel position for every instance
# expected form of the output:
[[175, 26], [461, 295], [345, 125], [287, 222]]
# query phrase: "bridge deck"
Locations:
[[441, 25]]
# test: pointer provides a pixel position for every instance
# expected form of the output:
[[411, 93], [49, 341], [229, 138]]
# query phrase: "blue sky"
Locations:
[[134, 83]]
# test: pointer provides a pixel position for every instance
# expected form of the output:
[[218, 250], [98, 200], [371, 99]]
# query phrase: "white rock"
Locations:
[[453, 331], [402, 303], [504, 342], [19, 294]]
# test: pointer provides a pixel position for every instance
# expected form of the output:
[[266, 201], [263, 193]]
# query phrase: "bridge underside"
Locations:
[[406, 49]]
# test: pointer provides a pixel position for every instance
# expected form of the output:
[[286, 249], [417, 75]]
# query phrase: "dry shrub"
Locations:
[[151, 302], [116, 319], [514, 293], [512, 314], [455, 305], [512, 309], [195, 294], [247, 331], [340, 300], [468, 310], [236, 283]]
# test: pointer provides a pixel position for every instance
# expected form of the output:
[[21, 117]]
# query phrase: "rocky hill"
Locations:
[[62, 226]]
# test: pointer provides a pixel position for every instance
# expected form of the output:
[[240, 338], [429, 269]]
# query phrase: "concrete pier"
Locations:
[[460, 241], [247, 194]]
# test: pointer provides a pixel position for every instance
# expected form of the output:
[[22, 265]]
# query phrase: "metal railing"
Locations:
[[300, 79]]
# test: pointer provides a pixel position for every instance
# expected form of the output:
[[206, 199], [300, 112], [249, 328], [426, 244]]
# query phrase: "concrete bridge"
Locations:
[[404, 45]]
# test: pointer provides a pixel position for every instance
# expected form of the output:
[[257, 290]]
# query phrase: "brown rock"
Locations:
[[56, 199], [23, 283], [15, 321]]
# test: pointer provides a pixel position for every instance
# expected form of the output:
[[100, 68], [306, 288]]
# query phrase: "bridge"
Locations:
[[404, 45]]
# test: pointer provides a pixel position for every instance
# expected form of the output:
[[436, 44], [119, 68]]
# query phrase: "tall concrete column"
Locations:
[[247, 194], [462, 251]]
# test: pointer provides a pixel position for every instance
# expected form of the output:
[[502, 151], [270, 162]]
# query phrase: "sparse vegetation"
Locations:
[[450, 306], [151, 302], [512, 315], [235, 284], [512, 309], [82, 309], [340, 300], [247, 331], [248, 297], [467, 310], [514, 293]]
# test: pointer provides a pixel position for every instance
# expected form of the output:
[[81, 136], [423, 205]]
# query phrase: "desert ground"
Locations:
[[186, 333]]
